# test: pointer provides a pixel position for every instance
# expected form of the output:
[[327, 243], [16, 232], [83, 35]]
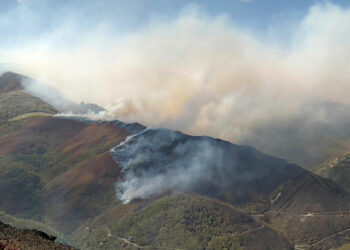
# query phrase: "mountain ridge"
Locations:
[[68, 172]]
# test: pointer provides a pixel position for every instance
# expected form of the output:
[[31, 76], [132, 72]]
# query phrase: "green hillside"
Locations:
[[179, 221], [17, 103]]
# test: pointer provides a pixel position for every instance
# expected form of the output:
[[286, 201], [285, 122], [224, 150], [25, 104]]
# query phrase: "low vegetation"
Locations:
[[178, 221], [336, 169], [17, 103]]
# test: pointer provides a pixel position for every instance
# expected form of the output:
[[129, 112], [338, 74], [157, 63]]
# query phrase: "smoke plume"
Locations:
[[198, 73], [159, 160]]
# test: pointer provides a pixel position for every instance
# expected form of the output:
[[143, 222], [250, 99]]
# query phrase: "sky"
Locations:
[[219, 68], [21, 20]]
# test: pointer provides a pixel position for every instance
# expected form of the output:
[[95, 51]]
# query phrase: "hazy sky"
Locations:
[[219, 68], [32, 19]]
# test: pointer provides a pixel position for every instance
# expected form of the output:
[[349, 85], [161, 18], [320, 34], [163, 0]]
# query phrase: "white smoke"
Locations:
[[197, 73], [176, 171], [45, 93]]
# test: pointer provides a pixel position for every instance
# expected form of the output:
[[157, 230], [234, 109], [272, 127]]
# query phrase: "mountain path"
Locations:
[[109, 234], [326, 238], [330, 213], [249, 231], [297, 247], [306, 246]]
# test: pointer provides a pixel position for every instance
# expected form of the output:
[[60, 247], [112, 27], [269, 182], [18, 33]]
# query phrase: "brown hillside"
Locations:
[[66, 166], [26, 139], [309, 192], [92, 135], [90, 181], [85, 177]]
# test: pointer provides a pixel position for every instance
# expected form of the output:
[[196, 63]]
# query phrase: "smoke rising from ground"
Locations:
[[197, 73], [182, 174], [159, 160]]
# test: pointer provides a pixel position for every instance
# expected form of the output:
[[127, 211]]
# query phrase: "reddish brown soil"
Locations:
[[54, 129], [98, 172], [92, 135], [87, 186]]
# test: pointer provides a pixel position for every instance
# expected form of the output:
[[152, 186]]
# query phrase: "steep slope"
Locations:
[[281, 196], [82, 192], [21, 95], [310, 230], [18, 103], [337, 169], [15, 102], [188, 221], [159, 160], [180, 221], [58, 170], [9, 82], [70, 177], [62, 172], [20, 223], [309, 192]]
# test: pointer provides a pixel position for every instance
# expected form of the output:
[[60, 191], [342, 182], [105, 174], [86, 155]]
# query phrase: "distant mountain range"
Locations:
[[112, 185]]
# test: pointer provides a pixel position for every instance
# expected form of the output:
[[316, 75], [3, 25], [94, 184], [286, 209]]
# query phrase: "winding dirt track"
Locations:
[[249, 231], [330, 213], [324, 239], [297, 247], [110, 235]]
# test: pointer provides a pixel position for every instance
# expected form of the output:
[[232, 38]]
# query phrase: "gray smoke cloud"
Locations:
[[159, 160], [200, 74], [137, 153]]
